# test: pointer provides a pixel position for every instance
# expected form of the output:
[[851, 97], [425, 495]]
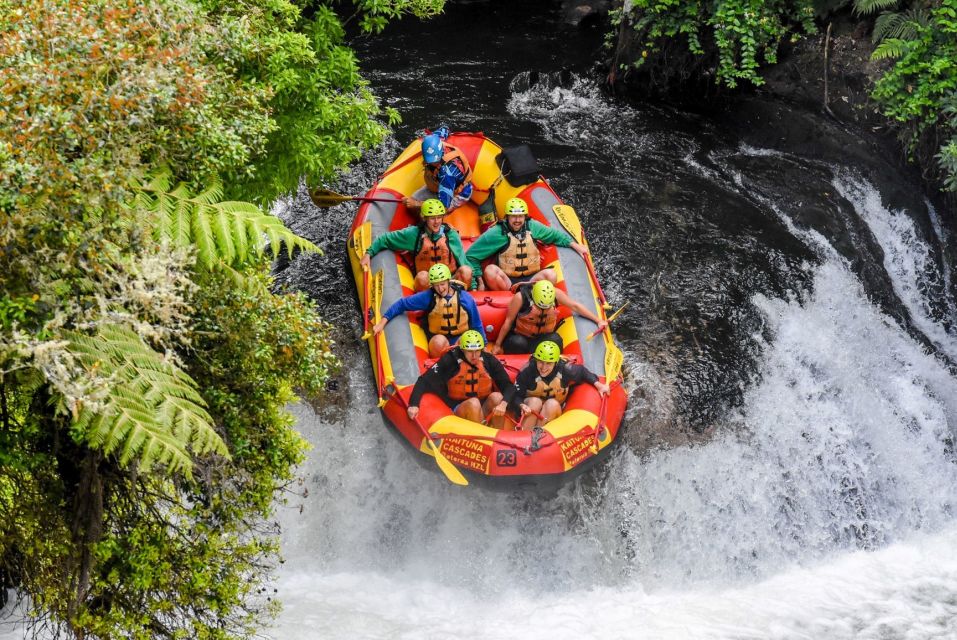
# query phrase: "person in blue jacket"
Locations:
[[447, 172], [449, 310]]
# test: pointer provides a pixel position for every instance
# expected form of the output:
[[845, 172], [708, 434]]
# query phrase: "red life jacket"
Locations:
[[535, 320], [470, 382], [452, 154], [429, 252]]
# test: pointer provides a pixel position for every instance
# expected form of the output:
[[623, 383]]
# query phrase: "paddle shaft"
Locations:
[[608, 320], [447, 467], [324, 198]]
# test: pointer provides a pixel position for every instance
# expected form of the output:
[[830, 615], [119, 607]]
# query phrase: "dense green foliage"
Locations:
[[728, 41], [734, 36], [144, 362], [920, 89]]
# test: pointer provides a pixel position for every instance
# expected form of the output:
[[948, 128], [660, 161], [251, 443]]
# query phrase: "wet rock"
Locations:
[[581, 13]]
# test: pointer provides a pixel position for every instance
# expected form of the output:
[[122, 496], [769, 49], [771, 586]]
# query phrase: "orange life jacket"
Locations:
[[470, 382], [535, 321], [556, 388], [447, 317], [452, 154], [429, 252], [521, 257]]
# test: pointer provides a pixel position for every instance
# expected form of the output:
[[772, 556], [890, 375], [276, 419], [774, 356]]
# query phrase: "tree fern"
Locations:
[[892, 48], [903, 26], [231, 232], [866, 7], [152, 413]]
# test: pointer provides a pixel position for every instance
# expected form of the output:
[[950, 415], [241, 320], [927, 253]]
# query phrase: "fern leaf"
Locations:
[[221, 222], [240, 281], [202, 235], [153, 413], [867, 7], [892, 48], [903, 26], [228, 233]]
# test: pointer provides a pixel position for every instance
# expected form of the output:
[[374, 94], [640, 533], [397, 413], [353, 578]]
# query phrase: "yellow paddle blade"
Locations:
[[323, 198], [569, 219], [361, 239], [450, 470], [615, 315], [375, 295], [613, 360]]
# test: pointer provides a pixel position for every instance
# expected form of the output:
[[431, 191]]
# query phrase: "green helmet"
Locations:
[[543, 294], [547, 351], [439, 272], [516, 207], [433, 207], [472, 340]]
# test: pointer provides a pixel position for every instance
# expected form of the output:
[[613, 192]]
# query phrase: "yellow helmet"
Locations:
[[547, 351], [543, 294], [516, 207], [439, 272], [472, 340], [433, 207]]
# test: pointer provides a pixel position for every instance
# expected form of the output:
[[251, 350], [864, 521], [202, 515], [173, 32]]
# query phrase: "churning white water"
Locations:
[[824, 508]]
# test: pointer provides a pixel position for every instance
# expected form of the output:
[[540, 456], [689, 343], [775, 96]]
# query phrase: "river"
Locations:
[[787, 468]]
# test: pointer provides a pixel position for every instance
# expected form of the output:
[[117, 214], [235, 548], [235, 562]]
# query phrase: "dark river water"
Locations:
[[786, 468]]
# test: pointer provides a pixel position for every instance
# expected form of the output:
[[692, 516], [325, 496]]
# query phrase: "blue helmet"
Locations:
[[431, 148]]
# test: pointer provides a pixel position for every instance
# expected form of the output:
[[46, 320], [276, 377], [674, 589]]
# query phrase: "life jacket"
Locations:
[[470, 382], [454, 155], [521, 257], [555, 388], [532, 320], [447, 317], [429, 252]]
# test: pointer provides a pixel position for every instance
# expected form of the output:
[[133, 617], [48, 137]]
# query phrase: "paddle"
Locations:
[[569, 219], [608, 320], [374, 295], [613, 360], [323, 198], [360, 243], [450, 470]]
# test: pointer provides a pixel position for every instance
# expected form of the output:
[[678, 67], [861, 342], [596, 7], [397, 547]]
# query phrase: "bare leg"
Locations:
[[470, 409], [421, 281], [438, 345], [463, 274], [495, 279], [492, 401], [545, 274], [531, 421], [551, 410]]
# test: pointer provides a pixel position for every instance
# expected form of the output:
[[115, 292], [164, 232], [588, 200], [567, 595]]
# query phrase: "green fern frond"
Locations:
[[903, 26], [230, 233], [867, 7], [241, 281], [892, 48], [153, 413]]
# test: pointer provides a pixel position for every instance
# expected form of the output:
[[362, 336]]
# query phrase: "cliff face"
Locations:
[[829, 73], [833, 72]]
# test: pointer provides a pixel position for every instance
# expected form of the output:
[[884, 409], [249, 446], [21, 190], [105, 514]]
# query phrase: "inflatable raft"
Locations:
[[399, 353]]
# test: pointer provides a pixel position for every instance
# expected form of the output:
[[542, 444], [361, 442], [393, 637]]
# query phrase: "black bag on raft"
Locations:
[[518, 165]]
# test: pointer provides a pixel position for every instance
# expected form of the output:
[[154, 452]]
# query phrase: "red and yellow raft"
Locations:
[[399, 354]]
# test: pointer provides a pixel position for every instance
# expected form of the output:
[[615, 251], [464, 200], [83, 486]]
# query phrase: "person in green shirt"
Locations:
[[429, 242], [513, 240]]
